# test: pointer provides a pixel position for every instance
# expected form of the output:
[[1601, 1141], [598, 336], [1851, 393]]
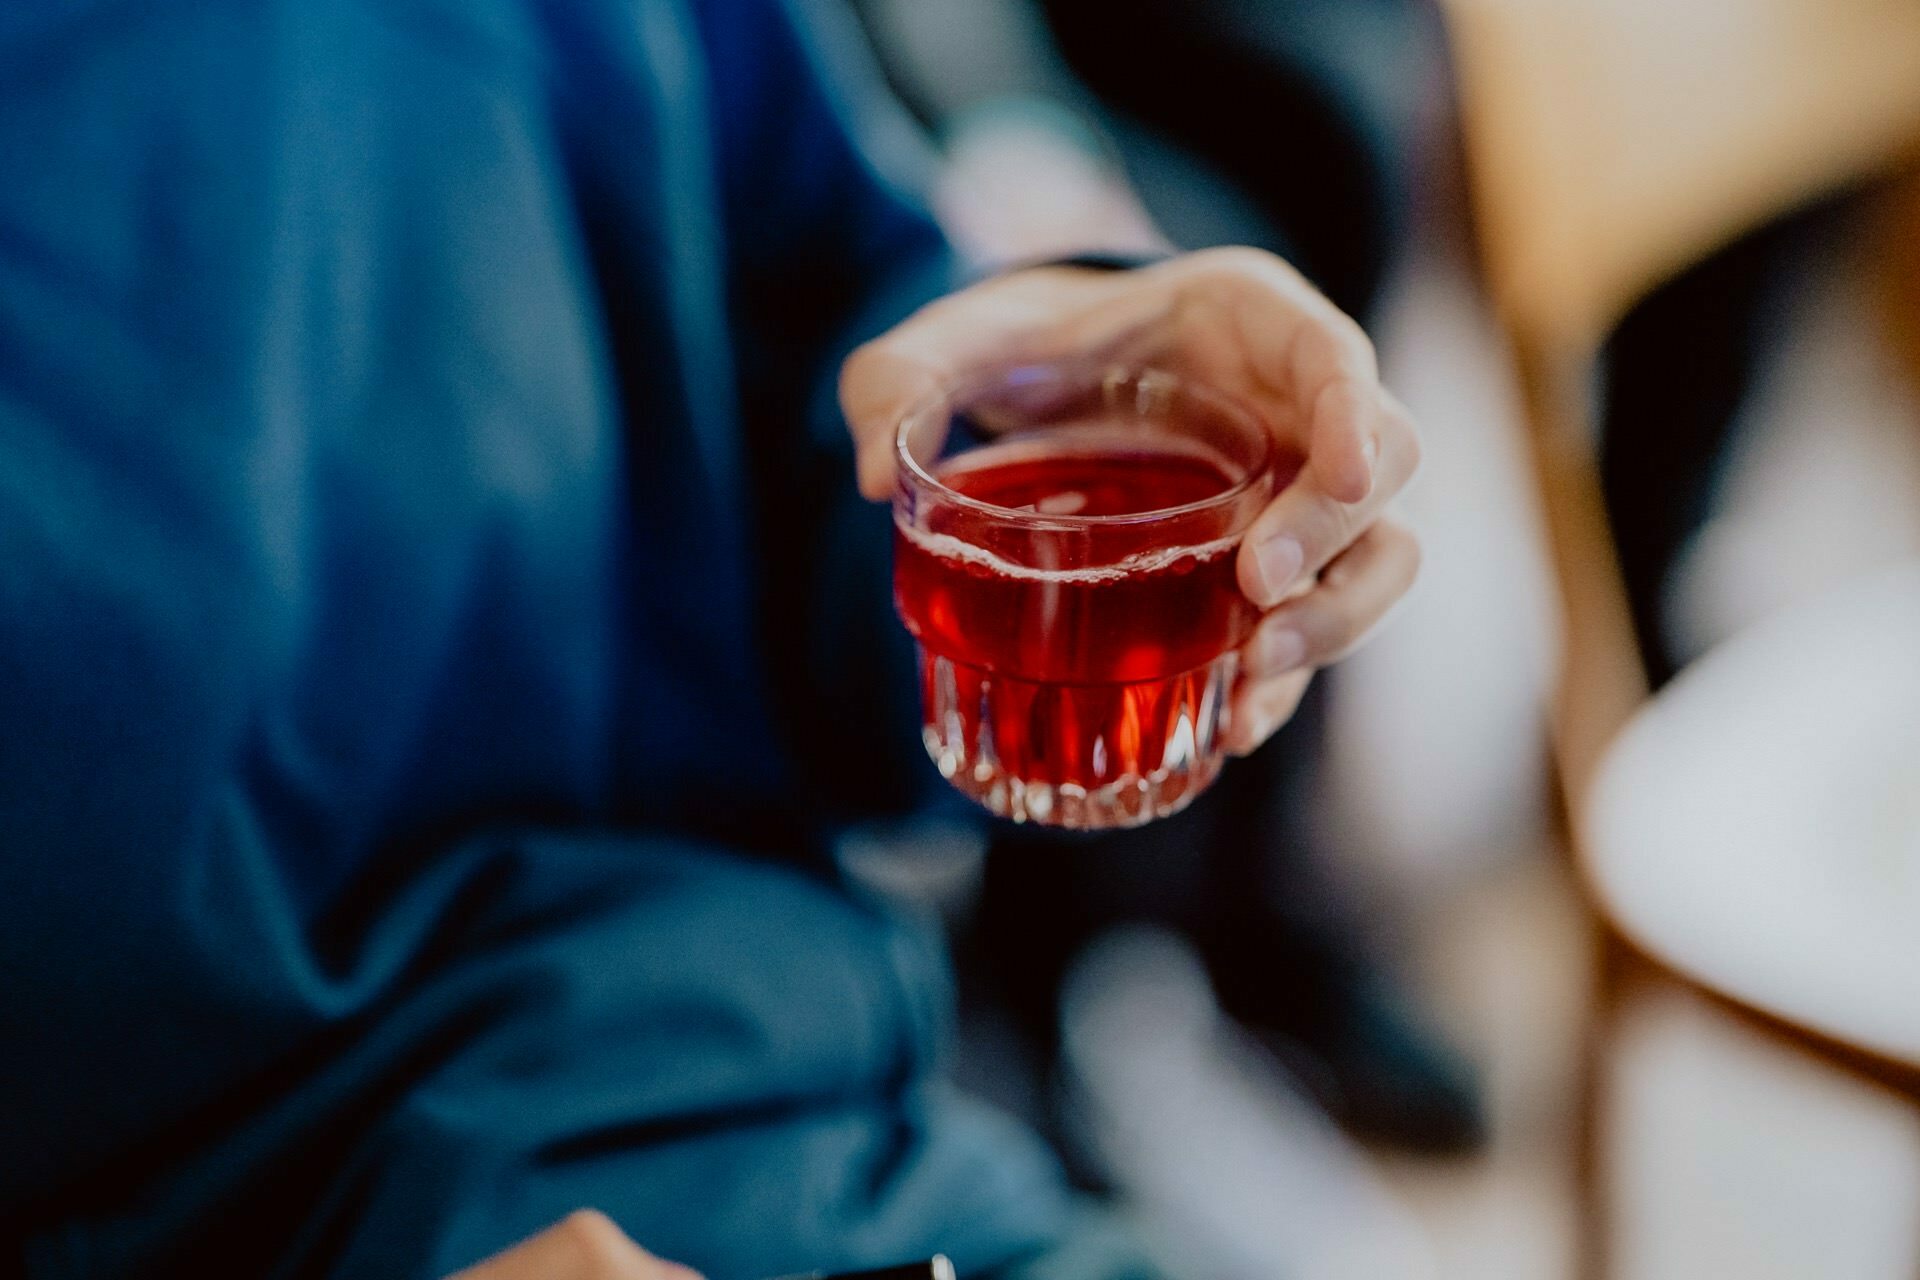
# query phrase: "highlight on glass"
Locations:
[[1065, 539]]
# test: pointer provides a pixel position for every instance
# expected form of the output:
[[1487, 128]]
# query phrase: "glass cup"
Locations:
[[1064, 550]]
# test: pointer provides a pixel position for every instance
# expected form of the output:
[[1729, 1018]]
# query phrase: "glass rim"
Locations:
[[912, 473]]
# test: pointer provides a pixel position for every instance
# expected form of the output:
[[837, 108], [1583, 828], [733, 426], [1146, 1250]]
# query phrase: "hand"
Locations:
[[1322, 561], [585, 1245]]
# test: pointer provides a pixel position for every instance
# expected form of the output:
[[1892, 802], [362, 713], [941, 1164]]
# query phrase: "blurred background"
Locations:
[[1599, 869]]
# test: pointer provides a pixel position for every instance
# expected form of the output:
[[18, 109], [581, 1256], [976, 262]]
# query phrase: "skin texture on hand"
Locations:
[[585, 1245], [1323, 560]]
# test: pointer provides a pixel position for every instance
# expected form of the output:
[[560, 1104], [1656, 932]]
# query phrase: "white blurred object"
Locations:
[[959, 52], [1027, 180], [1824, 475], [1757, 826], [1439, 729], [1731, 1155], [927, 865], [1210, 1141]]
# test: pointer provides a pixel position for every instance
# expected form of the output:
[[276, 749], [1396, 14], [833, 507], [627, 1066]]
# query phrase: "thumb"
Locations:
[[1025, 314], [880, 383], [884, 380]]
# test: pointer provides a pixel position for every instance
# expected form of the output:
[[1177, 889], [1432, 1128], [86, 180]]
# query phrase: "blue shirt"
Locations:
[[435, 624]]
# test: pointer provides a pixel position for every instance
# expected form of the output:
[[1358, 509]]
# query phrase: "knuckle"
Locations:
[[1249, 268], [1342, 525], [1408, 439], [1396, 544], [1354, 340], [1250, 730], [1413, 555], [1278, 700], [1399, 438], [1398, 418], [1339, 631], [1240, 259]]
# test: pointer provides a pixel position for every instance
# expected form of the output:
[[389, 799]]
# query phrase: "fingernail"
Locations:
[[1279, 560], [1282, 650], [1369, 454]]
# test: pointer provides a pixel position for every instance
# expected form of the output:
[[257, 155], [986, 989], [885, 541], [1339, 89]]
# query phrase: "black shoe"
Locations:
[[1356, 1044]]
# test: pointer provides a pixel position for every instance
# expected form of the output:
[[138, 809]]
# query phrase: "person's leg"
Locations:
[[1245, 874], [1047, 894], [1297, 961]]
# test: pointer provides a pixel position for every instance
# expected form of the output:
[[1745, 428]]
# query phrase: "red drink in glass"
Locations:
[[1071, 585]]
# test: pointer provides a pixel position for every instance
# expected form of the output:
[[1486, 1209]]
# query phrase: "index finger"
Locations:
[[1307, 525]]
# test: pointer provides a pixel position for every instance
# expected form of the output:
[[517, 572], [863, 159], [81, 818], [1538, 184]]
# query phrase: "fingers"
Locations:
[[1344, 445], [1353, 594], [1251, 318], [585, 1245], [1303, 529], [1260, 707], [1359, 441], [1316, 628], [1307, 351], [1336, 383]]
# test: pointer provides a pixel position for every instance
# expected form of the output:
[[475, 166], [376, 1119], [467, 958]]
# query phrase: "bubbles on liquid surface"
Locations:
[[982, 562]]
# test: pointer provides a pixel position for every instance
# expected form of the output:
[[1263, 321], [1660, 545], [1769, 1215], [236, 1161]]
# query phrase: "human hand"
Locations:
[[585, 1245], [1322, 561]]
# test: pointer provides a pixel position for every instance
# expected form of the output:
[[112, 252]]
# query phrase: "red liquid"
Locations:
[[1043, 687]]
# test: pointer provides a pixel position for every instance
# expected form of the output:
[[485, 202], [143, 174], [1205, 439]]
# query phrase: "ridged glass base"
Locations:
[[1086, 757]]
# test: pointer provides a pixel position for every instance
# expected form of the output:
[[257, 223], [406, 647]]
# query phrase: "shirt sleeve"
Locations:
[[820, 169], [828, 244]]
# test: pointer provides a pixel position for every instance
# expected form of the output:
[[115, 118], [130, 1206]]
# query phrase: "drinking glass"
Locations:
[[1064, 553]]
